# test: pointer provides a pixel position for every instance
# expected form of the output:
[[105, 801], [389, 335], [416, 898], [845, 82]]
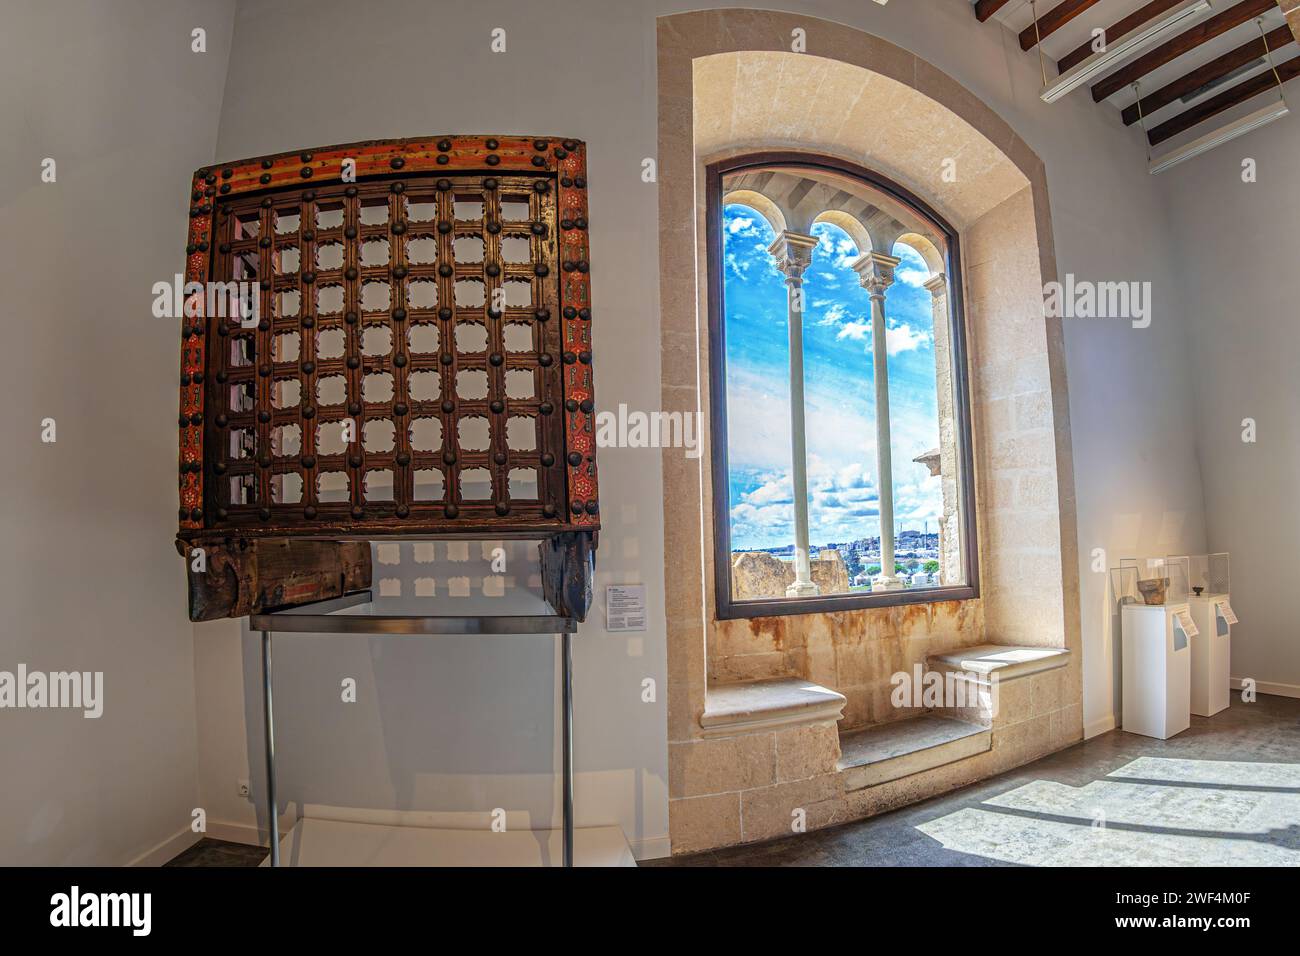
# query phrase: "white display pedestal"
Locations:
[[1211, 654], [1157, 671]]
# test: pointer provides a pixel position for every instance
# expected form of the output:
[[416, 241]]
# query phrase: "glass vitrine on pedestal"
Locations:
[[1156, 669], [1156, 627], [1211, 610]]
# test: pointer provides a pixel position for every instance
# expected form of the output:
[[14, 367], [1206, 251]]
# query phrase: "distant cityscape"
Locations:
[[916, 558]]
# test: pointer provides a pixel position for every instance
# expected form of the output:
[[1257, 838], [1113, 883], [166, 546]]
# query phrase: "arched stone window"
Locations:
[[743, 684], [842, 471]]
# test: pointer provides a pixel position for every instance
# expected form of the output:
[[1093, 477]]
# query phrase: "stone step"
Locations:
[[901, 748]]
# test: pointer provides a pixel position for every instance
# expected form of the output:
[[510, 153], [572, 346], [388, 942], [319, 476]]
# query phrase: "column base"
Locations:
[[802, 589], [886, 582]]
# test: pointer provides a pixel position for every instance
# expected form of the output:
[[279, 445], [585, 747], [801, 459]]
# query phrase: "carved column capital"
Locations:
[[793, 254], [876, 272], [937, 284]]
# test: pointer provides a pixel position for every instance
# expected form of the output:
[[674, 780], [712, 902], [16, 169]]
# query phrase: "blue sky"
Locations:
[[839, 390]]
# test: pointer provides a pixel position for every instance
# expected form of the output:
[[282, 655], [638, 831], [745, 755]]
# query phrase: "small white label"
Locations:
[[1187, 624], [1226, 610], [625, 607]]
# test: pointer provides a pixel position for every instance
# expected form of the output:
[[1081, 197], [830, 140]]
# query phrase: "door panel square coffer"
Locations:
[[385, 338]]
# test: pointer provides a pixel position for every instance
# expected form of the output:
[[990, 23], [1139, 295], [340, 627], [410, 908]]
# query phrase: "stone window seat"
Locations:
[[766, 705], [901, 748], [1008, 661]]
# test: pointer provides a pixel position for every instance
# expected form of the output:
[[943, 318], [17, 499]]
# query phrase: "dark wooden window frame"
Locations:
[[727, 609]]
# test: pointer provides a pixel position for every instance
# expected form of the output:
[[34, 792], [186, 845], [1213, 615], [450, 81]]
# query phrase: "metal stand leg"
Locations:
[[272, 808], [566, 657]]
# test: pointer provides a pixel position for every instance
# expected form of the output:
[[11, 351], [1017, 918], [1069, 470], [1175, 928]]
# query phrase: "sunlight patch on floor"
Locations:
[[1153, 811]]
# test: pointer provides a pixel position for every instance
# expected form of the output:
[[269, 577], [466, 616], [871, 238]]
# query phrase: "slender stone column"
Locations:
[[876, 272], [950, 532], [793, 252]]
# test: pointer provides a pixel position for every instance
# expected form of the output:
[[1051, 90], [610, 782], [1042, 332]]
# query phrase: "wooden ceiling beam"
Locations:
[[986, 8], [1216, 68], [1185, 42], [1225, 100], [1117, 29], [1053, 20]]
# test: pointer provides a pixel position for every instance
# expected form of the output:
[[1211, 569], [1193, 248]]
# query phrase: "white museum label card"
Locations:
[[1226, 610], [1186, 623], [625, 607]]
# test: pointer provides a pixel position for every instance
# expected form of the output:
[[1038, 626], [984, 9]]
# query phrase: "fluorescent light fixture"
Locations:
[[1137, 38], [1261, 117]]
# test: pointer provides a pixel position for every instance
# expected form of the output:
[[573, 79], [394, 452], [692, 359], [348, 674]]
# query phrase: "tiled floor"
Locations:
[[219, 853], [1224, 792]]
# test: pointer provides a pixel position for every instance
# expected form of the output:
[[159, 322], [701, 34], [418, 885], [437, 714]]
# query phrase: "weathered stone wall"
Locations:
[[852, 652], [830, 573], [757, 574], [742, 789]]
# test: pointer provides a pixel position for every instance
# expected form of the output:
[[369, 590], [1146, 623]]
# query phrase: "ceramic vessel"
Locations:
[[1153, 590]]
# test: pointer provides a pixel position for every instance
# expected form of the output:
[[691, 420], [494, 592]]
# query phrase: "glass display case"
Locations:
[[1209, 574], [1176, 569], [1151, 581], [1213, 616], [1123, 584]]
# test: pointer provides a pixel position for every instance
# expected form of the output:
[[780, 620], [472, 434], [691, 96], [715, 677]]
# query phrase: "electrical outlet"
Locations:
[[243, 788]]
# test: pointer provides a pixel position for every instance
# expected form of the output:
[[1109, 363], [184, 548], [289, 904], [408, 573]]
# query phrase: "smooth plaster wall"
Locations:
[[469, 724], [1239, 273], [90, 580], [329, 71]]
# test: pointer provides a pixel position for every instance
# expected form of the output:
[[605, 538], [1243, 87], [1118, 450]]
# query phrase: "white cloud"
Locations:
[[758, 420], [842, 505], [776, 490], [742, 226], [834, 315], [859, 330], [901, 338], [912, 275], [739, 267], [905, 338]]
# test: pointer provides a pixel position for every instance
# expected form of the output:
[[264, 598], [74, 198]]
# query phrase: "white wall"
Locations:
[[1236, 252], [467, 724], [585, 68], [89, 578], [91, 581]]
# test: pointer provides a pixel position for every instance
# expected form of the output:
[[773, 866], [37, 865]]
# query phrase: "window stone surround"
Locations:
[[741, 788]]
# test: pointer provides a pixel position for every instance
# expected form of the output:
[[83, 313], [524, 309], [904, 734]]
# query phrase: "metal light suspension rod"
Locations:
[[1094, 66], [1239, 127]]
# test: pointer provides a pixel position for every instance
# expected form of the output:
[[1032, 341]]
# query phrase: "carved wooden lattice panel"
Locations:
[[419, 357]]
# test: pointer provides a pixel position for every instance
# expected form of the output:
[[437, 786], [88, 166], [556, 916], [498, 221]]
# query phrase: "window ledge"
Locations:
[[755, 706], [728, 610], [1008, 661]]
